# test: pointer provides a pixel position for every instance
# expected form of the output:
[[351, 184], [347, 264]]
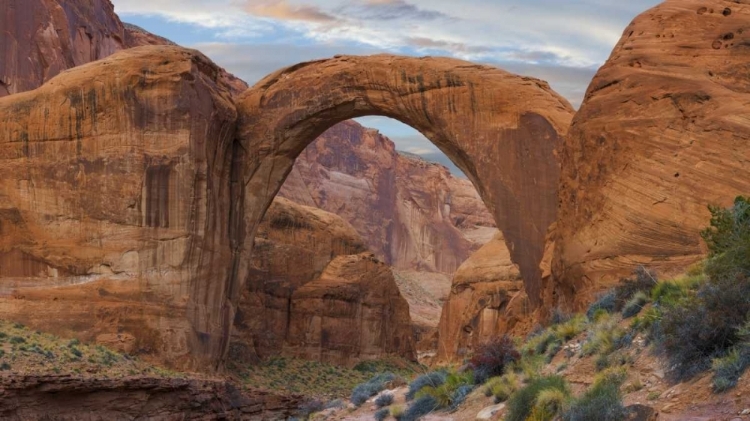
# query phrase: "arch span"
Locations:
[[501, 129]]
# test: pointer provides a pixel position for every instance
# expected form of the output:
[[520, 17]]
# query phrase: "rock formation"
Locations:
[[42, 38], [115, 177], [302, 300], [411, 213], [487, 300], [123, 175], [353, 311], [509, 156], [414, 215], [661, 134], [33, 397]]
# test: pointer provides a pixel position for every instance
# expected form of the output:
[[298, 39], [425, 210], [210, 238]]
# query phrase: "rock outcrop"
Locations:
[[412, 213], [299, 302], [487, 300], [353, 311], [79, 398], [662, 132], [509, 155], [42, 38], [116, 200]]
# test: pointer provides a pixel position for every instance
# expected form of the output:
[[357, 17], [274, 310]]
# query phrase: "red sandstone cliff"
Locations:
[[41, 38], [413, 214]]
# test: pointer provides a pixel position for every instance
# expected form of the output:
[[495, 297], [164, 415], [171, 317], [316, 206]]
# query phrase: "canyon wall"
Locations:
[[115, 184], [662, 133], [311, 291], [413, 214], [42, 38]]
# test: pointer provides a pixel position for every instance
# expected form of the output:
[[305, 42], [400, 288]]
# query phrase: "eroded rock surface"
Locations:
[[116, 201], [353, 311], [281, 311], [413, 214], [80, 398], [42, 38], [487, 300], [662, 132]]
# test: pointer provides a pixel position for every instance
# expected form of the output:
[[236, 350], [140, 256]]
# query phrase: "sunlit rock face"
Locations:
[[662, 133], [115, 199]]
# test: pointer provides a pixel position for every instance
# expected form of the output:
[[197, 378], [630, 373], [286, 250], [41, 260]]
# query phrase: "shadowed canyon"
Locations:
[[155, 206]]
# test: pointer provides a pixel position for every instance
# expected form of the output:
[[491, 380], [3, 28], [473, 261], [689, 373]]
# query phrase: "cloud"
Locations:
[[387, 10], [282, 10]]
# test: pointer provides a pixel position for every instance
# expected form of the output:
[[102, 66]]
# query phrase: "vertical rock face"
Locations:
[[487, 300], [352, 311], [115, 188], [663, 132], [411, 213], [42, 38], [296, 246]]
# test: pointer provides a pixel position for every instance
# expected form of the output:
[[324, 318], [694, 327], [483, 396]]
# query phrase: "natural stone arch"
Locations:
[[501, 129]]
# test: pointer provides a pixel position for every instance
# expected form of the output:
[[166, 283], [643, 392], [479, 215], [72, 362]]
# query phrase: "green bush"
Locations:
[[634, 305], [522, 402], [502, 387], [728, 240], [447, 394], [601, 402]]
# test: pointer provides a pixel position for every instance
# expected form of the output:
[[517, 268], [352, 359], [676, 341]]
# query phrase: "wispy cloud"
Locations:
[[282, 10]]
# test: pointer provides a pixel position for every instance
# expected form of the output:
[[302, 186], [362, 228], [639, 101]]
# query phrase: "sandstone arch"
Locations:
[[501, 129]]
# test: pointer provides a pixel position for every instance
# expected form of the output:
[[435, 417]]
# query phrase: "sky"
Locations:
[[562, 42]]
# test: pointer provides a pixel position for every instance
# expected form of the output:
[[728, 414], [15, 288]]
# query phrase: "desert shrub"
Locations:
[[571, 328], [459, 395], [728, 369], [4, 366], [17, 340], [382, 414], [522, 402], [643, 280], [548, 403], [445, 394], [603, 337], [605, 302], [601, 402], [419, 408], [364, 391], [501, 387], [559, 316], [397, 411], [491, 358], [336, 403], [634, 305], [728, 240], [433, 379], [705, 326], [384, 399], [311, 406]]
